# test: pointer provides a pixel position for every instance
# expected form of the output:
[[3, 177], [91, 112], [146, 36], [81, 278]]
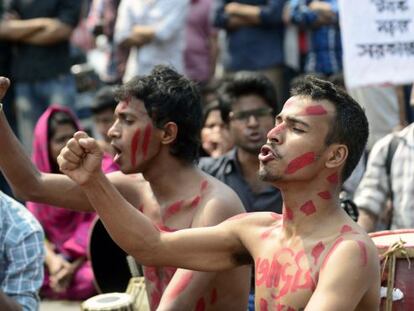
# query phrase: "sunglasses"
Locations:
[[245, 115]]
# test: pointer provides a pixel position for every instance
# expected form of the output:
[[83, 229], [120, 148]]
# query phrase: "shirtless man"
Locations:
[[155, 132], [313, 257]]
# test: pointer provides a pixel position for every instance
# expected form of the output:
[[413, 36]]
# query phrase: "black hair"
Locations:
[[104, 99], [214, 105], [170, 97], [245, 83], [56, 119], [350, 124]]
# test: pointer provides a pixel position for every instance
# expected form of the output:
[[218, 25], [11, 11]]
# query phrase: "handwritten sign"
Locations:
[[378, 41]]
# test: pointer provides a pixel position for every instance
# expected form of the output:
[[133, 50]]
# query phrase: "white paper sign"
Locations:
[[377, 41]]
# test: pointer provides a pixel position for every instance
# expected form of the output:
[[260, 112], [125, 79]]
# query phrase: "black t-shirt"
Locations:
[[33, 63]]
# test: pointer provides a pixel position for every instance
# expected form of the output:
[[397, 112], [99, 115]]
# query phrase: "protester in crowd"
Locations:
[[216, 139], [40, 32], [154, 31], [313, 256], [22, 256], [254, 37], [388, 180], [156, 133]]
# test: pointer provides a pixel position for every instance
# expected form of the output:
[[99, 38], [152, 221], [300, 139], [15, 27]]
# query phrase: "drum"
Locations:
[[109, 302], [396, 247], [108, 260]]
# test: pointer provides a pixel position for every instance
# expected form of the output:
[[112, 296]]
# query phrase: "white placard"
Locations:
[[377, 41]]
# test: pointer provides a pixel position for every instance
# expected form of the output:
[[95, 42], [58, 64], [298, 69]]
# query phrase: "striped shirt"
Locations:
[[374, 189], [21, 253]]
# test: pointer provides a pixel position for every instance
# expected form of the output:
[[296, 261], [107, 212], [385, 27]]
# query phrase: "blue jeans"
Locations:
[[33, 98], [251, 302]]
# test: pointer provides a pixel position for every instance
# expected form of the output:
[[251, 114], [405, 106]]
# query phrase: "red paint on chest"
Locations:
[[194, 203], [317, 251], [300, 162], [263, 305], [334, 246], [326, 195], [287, 213], [213, 296], [147, 136], [204, 185], [308, 208], [267, 232], [173, 209], [134, 147], [346, 229]]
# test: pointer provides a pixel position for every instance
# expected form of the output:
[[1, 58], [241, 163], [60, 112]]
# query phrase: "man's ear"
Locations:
[[337, 155], [169, 133]]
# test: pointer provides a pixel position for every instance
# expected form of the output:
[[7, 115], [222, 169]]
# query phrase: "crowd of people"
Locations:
[[228, 118]]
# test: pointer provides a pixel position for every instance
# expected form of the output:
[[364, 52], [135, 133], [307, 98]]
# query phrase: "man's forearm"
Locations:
[[54, 31], [17, 30]]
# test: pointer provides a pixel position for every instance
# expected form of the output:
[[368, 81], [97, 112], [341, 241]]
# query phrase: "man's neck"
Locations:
[[307, 205]]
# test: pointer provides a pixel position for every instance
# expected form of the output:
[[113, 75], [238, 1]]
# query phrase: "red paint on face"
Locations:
[[333, 179], [201, 305], [316, 110], [194, 203], [308, 208], [125, 103], [279, 128], [334, 246], [213, 296], [346, 229], [364, 255], [300, 162], [263, 305], [173, 209], [287, 213], [147, 136], [181, 286], [326, 195], [317, 251], [134, 147]]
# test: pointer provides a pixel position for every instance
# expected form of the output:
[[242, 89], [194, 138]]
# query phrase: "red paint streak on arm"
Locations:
[[334, 246], [333, 179], [147, 136], [213, 296], [173, 209], [181, 286], [201, 305], [317, 251], [300, 162], [317, 110], [195, 202], [134, 147], [326, 195], [364, 256], [308, 208], [204, 185]]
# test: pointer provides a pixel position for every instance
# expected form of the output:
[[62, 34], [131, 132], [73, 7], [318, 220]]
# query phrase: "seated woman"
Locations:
[[68, 272]]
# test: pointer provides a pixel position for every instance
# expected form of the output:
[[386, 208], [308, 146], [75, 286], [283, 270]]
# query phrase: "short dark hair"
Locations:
[[350, 124], [244, 83], [104, 99], [214, 105], [59, 118], [170, 97]]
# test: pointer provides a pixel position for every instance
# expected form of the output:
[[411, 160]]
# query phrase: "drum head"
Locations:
[[384, 239], [110, 301], [108, 261]]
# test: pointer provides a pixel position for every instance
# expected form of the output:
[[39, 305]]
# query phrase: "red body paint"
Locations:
[[317, 110], [147, 136], [263, 305], [173, 209], [334, 246], [287, 213], [364, 255], [267, 232], [194, 203], [201, 305], [317, 251], [346, 229], [181, 286], [300, 162], [134, 147], [213, 296], [308, 208], [326, 195], [333, 179], [279, 128], [204, 185]]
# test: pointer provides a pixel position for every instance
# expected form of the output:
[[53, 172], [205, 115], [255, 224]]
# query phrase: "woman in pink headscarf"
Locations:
[[68, 272]]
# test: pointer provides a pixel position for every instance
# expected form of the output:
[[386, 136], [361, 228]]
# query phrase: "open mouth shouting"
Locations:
[[267, 154]]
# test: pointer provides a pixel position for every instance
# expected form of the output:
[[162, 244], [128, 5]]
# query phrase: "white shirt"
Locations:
[[167, 48]]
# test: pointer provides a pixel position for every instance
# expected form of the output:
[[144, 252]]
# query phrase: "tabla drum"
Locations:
[[109, 302], [396, 249], [108, 260]]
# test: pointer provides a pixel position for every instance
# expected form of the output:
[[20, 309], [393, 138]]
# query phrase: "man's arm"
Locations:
[[205, 249], [53, 31], [17, 30], [6, 303], [313, 14], [367, 220], [350, 272]]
